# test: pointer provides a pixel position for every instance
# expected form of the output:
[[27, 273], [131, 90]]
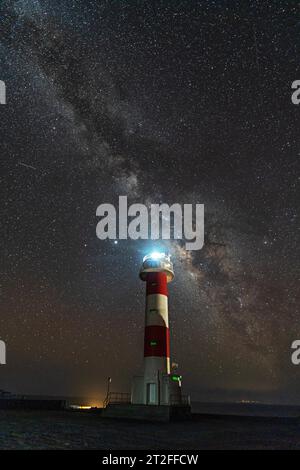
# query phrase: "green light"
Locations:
[[153, 343], [176, 378]]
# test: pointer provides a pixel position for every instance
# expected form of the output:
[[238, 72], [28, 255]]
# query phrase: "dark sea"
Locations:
[[247, 409]]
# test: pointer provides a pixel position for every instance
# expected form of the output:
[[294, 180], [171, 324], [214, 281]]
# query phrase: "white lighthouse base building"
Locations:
[[165, 389]]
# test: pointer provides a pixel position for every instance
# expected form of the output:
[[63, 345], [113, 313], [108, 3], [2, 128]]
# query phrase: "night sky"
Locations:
[[163, 101]]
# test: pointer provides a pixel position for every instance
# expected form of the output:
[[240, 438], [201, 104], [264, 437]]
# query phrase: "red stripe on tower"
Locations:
[[157, 341], [156, 283]]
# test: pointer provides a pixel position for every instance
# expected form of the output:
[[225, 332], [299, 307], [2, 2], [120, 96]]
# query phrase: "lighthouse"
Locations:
[[158, 385], [156, 393]]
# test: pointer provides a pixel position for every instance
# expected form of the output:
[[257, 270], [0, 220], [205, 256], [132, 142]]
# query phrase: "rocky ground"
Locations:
[[85, 430]]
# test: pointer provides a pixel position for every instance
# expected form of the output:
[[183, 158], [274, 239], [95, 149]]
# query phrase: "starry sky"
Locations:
[[162, 101]]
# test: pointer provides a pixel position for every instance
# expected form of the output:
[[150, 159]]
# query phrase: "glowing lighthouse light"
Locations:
[[156, 386], [156, 255]]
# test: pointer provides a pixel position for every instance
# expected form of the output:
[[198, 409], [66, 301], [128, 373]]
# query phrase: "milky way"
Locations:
[[165, 101]]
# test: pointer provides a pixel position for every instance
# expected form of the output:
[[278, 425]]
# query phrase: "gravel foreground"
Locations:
[[85, 430]]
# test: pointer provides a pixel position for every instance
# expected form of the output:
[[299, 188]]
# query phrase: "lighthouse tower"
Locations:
[[157, 385]]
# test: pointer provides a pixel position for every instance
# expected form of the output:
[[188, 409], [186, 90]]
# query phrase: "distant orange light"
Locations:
[[80, 407]]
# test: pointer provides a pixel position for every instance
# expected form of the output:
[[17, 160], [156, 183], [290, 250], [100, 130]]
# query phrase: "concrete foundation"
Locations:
[[162, 413]]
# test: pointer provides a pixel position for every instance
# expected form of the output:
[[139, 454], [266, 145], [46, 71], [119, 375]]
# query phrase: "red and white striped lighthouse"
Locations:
[[156, 271], [156, 385]]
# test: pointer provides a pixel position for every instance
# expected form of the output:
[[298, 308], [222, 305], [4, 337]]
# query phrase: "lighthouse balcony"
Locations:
[[157, 262]]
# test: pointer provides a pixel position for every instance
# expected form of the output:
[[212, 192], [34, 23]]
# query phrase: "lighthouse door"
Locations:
[[151, 394]]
